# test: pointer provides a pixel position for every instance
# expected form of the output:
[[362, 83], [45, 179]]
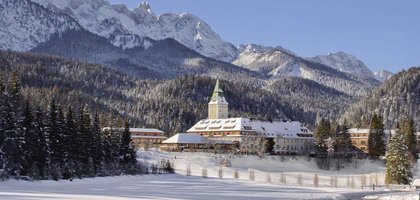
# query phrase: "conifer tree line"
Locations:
[[333, 147], [57, 143]]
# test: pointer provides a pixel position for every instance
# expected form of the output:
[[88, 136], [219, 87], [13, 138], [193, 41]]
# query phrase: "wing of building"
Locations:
[[359, 138], [289, 136], [143, 137]]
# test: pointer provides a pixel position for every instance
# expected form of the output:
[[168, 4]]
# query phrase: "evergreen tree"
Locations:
[[269, 145], [323, 132], [127, 152], [86, 139], [109, 159], [2, 123], [40, 151], [343, 147], [343, 141], [30, 138], [397, 164], [376, 143], [97, 149], [70, 146], [13, 135], [54, 133], [409, 131], [55, 147]]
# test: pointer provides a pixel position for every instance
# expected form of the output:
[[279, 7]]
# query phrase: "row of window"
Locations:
[[143, 140], [287, 147]]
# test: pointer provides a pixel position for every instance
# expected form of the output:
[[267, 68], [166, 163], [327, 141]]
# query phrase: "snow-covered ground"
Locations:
[[157, 187], [394, 196], [179, 186], [268, 164], [292, 171]]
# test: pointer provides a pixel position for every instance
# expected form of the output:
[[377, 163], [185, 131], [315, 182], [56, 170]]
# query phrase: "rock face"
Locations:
[[125, 28], [383, 75], [25, 24], [345, 63], [277, 62]]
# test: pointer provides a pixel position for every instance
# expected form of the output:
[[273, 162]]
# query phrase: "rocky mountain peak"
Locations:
[[145, 7], [383, 75], [344, 62]]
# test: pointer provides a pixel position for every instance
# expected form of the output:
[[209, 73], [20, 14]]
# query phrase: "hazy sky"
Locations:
[[384, 34]]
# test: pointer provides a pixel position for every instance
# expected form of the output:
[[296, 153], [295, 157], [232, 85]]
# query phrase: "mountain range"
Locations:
[[146, 46]]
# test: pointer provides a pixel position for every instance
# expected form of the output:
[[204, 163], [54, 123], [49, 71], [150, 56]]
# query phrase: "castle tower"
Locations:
[[218, 106]]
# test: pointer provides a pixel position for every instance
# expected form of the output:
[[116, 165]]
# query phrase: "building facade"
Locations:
[[359, 138], [289, 136], [147, 137], [144, 137]]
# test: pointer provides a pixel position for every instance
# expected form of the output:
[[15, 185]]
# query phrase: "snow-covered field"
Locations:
[[157, 187], [268, 164], [293, 171], [179, 186], [394, 196]]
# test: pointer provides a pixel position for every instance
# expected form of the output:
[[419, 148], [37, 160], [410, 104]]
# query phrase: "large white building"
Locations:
[[289, 136]]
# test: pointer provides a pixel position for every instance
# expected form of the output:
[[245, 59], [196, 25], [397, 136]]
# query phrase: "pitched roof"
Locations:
[[142, 130], [186, 138], [366, 130], [215, 125], [218, 96], [286, 129], [146, 130]]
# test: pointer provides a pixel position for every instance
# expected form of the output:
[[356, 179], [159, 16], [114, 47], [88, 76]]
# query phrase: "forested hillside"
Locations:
[[394, 100], [172, 105], [311, 96]]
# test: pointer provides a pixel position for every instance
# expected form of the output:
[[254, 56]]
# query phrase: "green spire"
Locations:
[[217, 92]]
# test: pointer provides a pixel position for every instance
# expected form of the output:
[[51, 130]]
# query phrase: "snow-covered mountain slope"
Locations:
[[383, 75], [277, 62], [344, 62], [117, 21], [162, 59], [24, 24], [268, 60]]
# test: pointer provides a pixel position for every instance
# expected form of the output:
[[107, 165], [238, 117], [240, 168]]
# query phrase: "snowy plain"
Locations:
[[180, 186]]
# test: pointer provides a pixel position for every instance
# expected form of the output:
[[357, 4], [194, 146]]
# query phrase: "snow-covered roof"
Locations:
[[366, 130], [186, 138], [358, 130], [286, 129], [216, 125], [148, 137], [146, 130], [142, 130]]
